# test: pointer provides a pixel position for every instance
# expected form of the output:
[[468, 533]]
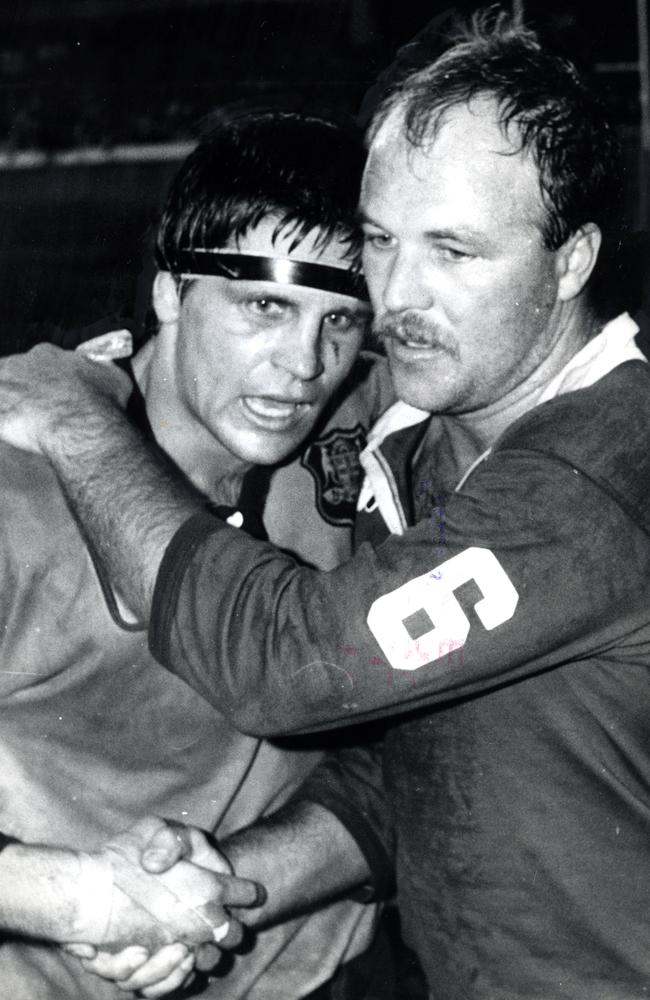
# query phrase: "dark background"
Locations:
[[100, 99]]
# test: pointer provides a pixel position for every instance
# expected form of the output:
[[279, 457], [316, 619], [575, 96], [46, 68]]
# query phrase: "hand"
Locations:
[[121, 904], [132, 970], [48, 389], [171, 966]]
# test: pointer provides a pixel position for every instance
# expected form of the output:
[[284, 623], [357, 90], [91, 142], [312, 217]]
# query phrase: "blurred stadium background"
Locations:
[[100, 99]]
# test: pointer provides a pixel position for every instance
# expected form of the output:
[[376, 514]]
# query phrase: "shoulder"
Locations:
[[601, 431], [615, 409]]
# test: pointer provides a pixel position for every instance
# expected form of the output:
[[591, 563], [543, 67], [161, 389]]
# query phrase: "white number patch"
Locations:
[[433, 594]]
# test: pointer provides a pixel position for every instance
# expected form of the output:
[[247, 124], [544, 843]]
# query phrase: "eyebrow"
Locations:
[[456, 233], [463, 233], [282, 294]]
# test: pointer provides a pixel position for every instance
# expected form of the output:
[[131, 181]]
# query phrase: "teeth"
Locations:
[[270, 407]]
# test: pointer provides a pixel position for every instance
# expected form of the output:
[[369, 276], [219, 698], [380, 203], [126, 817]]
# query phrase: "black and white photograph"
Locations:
[[325, 528]]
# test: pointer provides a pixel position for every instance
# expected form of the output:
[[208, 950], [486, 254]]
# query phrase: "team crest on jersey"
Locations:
[[333, 461]]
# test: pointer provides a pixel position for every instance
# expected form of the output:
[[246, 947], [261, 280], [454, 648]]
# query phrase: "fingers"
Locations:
[[206, 957], [172, 841], [116, 966], [108, 346], [236, 891], [242, 892], [139, 835], [185, 902], [163, 972], [229, 934], [206, 854]]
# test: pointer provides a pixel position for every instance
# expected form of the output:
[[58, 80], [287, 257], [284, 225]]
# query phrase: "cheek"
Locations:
[[375, 268], [504, 295], [340, 355], [532, 280]]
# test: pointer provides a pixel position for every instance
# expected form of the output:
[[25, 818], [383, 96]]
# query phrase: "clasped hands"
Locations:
[[153, 907]]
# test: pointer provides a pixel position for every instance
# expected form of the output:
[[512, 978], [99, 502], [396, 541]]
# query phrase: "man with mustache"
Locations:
[[495, 614], [254, 388]]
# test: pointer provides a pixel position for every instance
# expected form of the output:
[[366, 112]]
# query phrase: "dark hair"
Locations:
[[541, 95], [303, 169]]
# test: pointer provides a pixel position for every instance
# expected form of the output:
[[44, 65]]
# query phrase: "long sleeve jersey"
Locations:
[[510, 655]]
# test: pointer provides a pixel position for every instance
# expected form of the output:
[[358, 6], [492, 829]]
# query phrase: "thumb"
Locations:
[[80, 950], [168, 845]]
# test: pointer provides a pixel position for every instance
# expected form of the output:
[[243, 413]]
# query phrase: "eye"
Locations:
[[378, 240], [266, 307], [454, 255], [344, 322]]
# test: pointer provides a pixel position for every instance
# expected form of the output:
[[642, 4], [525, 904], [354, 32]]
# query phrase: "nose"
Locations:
[[300, 351], [405, 285]]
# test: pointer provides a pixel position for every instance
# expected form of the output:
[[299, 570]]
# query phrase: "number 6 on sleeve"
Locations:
[[433, 594]]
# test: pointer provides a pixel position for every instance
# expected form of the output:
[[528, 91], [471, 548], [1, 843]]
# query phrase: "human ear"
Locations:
[[165, 298], [576, 259]]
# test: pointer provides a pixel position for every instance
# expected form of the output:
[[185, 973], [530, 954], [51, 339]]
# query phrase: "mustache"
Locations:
[[413, 328]]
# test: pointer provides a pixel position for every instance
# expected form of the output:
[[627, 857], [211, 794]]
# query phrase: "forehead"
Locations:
[[471, 173]]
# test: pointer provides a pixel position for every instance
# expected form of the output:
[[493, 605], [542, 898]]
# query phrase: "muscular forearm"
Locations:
[[302, 855], [39, 891]]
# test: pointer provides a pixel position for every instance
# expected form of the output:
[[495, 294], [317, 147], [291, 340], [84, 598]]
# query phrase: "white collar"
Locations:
[[610, 348], [606, 351]]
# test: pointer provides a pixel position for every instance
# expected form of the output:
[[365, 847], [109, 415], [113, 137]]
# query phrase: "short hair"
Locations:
[[538, 93], [303, 169]]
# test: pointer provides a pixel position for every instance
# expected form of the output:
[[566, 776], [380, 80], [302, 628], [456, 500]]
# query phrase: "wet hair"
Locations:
[[543, 104], [301, 169]]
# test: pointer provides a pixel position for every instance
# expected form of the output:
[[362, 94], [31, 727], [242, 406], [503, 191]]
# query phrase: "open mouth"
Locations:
[[274, 413], [408, 350]]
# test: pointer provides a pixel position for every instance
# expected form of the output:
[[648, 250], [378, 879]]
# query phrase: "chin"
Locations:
[[440, 387], [270, 452], [424, 386], [417, 395]]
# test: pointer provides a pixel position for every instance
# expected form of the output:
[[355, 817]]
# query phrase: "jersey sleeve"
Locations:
[[539, 565]]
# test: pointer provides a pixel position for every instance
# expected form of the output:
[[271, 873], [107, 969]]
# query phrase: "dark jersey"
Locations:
[[512, 655]]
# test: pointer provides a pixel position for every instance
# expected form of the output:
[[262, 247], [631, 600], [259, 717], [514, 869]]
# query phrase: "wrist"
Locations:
[[94, 899], [69, 433], [38, 891]]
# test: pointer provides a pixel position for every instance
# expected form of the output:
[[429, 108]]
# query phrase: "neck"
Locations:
[[198, 454], [485, 425]]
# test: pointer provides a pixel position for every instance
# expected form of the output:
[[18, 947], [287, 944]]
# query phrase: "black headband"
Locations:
[[282, 270]]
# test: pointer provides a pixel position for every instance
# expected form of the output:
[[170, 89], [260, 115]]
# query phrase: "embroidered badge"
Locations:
[[333, 461]]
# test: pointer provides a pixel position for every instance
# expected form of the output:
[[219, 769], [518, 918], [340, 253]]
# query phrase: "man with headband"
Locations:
[[261, 316], [497, 616]]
